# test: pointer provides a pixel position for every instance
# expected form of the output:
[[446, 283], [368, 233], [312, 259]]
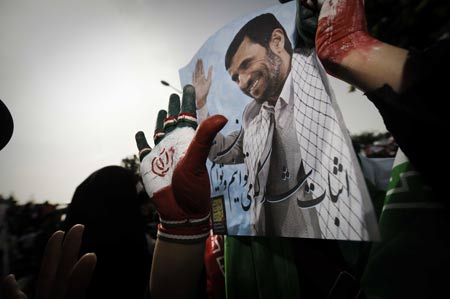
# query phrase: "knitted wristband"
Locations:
[[187, 231]]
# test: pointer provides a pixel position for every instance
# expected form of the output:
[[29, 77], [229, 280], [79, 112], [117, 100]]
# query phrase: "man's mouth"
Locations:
[[253, 87]]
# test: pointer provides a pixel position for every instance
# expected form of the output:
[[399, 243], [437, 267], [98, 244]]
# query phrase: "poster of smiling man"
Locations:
[[284, 163]]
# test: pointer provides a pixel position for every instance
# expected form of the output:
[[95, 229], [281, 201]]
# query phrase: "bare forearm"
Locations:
[[349, 53], [369, 69]]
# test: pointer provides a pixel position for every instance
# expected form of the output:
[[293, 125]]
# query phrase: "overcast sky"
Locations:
[[81, 77]]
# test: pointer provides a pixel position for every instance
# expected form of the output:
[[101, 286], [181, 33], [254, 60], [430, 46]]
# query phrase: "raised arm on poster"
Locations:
[[284, 165]]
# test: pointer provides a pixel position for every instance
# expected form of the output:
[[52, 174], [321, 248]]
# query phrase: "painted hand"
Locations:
[[342, 29], [174, 171]]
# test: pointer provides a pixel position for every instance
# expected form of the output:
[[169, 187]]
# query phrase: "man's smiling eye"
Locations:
[[245, 63]]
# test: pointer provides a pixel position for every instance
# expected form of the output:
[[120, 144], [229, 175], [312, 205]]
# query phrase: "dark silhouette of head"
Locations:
[[107, 204]]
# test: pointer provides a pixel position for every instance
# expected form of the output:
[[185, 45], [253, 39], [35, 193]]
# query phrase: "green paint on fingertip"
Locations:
[[174, 105], [162, 115]]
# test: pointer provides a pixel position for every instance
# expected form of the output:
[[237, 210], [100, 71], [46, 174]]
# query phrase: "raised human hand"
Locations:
[[62, 275], [342, 30], [349, 52], [174, 171], [201, 83]]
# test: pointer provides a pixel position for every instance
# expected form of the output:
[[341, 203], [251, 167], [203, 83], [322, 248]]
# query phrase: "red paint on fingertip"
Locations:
[[209, 128], [342, 31]]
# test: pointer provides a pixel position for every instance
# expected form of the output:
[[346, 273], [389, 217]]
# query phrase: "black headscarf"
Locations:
[[107, 204]]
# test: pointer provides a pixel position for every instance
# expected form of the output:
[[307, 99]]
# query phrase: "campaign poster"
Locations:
[[284, 164]]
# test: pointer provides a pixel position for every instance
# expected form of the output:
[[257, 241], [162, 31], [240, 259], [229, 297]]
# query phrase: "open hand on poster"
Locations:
[[174, 171], [201, 83]]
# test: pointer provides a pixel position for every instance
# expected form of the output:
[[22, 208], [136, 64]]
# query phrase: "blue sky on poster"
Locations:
[[81, 77]]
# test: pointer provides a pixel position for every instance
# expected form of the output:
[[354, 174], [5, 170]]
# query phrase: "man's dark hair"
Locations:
[[258, 30]]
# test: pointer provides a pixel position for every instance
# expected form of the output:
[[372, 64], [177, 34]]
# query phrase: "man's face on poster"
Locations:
[[256, 70]]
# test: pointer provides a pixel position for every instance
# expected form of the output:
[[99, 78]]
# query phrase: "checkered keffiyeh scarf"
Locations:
[[257, 149], [326, 150]]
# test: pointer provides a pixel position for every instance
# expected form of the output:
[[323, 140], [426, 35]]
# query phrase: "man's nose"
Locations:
[[243, 80]]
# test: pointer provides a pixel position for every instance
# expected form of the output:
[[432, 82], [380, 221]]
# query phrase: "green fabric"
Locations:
[[414, 249], [188, 106], [260, 267], [159, 127], [174, 105]]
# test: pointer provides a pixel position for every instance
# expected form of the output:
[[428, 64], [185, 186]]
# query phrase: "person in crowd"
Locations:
[[106, 203], [408, 89]]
